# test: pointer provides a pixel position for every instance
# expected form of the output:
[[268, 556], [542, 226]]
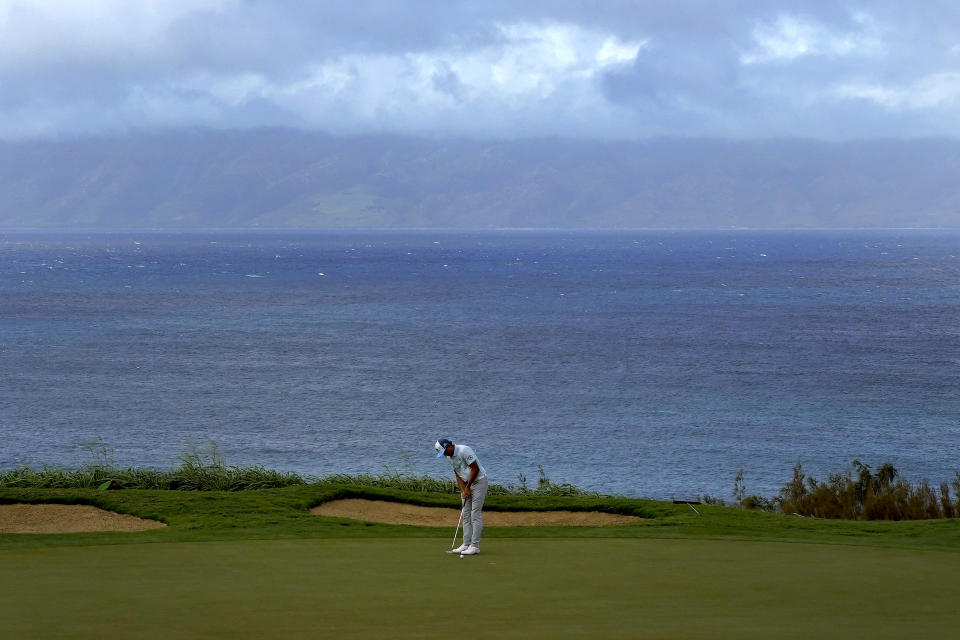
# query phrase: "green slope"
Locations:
[[284, 513]]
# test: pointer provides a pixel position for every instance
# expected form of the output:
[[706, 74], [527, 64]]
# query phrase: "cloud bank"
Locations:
[[611, 70]]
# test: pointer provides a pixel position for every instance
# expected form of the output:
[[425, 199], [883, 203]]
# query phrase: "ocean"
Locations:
[[644, 363]]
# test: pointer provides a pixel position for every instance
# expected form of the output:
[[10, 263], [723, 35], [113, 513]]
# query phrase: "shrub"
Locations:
[[758, 502], [865, 495]]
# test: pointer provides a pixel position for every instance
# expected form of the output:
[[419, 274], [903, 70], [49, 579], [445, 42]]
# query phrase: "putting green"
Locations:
[[396, 588]]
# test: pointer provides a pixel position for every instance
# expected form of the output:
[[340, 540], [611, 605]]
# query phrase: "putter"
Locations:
[[457, 530]]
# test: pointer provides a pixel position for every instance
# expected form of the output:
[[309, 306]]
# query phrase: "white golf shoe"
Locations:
[[460, 549], [471, 551]]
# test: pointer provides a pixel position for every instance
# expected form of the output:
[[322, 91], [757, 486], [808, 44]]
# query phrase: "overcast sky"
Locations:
[[595, 69]]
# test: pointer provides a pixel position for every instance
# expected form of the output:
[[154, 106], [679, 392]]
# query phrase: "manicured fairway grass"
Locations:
[[518, 588], [257, 564]]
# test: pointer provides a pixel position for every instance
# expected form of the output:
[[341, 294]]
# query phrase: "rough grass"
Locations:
[[284, 513], [429, 484], [857, 494]]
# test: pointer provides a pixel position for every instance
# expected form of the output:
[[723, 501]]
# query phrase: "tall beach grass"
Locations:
[[860, 493], [200, 469], [203, 468]]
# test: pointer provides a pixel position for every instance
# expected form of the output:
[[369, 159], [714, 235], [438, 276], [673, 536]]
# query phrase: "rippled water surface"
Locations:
[[645, 363]]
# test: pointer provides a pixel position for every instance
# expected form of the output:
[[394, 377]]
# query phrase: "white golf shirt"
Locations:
[[463, 456]]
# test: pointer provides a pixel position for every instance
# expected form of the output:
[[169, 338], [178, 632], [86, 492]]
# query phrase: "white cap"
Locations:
[[440, 446]]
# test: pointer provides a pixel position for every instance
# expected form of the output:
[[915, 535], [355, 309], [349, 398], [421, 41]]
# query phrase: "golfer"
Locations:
[[473, 489]]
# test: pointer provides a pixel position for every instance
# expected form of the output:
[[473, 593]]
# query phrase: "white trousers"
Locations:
[[472, 516]]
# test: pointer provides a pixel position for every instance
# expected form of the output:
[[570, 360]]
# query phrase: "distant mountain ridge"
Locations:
[[285, 178]]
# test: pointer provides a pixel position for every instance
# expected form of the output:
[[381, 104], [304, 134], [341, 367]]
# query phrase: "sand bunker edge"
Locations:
[[400, 513], [68, 518]]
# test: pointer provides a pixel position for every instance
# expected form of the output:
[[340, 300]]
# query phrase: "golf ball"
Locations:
[[461, 555]]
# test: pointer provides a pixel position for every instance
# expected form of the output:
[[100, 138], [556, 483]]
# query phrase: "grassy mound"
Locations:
[[284, 513]]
